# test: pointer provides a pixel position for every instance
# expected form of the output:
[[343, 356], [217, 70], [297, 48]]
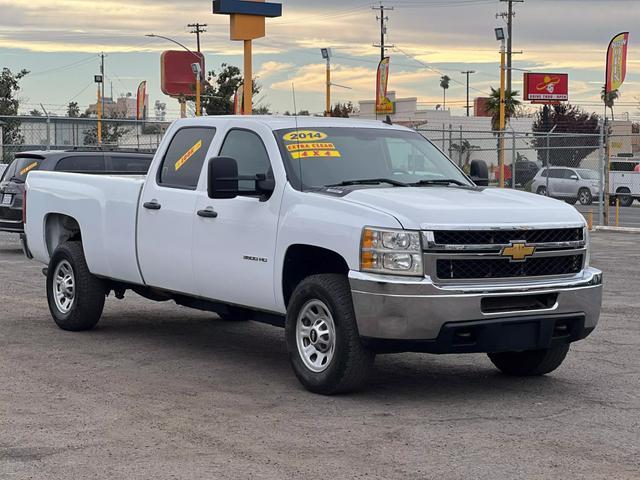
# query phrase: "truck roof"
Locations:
[[280, 122]]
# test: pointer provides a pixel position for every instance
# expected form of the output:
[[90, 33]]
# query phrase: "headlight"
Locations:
[[393, 252]]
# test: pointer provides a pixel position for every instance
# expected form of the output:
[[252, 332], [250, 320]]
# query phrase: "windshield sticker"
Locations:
[[189, 153], [28, 168], [294, 147], [315, 154], [304, 135]]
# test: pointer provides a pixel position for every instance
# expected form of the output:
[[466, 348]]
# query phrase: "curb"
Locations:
[[617, 229]]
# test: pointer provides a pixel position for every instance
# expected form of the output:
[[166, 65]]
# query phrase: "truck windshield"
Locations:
[[321, 157]]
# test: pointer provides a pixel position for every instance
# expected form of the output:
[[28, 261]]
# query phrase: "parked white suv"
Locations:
[[569, 184]]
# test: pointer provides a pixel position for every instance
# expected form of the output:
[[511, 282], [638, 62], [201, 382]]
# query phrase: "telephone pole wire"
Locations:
[[198, 28], [509, 16], [383, 29]]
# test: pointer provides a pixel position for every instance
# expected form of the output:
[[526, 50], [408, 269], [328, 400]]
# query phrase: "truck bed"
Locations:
[[105, 207]]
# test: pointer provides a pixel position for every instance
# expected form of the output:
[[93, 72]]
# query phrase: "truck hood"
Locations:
[[423, 208]]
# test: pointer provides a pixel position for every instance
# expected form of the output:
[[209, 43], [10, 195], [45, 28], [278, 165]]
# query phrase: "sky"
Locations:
[[59, 42]]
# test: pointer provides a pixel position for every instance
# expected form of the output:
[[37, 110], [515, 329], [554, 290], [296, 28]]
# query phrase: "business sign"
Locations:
[[617, 61], [546, 87], [176, 75], [383, 104]]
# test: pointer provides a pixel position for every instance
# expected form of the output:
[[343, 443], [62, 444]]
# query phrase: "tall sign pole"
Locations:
[[247, 24]]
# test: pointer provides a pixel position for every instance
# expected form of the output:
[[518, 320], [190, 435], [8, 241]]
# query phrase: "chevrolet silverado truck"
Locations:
[[357, 237]]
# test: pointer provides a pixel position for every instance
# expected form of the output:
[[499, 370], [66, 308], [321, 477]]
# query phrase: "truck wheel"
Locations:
[[76, 297], [530, 363], [322, 337], [626, 200], [585, 197]]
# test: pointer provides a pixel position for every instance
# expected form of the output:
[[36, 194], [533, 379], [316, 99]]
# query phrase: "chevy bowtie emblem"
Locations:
[[518, 251]]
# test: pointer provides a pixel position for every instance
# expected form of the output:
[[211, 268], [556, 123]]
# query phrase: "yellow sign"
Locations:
[[28, 168], [294, 147], [518, 251], [190, 153], [304, 135], [315, 153]]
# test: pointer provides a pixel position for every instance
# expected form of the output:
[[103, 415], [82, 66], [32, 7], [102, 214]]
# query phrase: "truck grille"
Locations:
[[492, 268], [488, 254], [501, 237]]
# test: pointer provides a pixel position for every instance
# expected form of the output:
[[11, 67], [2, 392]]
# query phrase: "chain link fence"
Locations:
[[598, 173], [26, 133]]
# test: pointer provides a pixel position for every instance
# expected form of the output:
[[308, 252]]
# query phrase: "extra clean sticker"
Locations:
[[28, 168], [295, 147], [304, 136], [188, 154]]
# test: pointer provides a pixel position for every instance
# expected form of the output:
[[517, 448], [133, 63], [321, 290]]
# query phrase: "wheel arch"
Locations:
[[60, 228], [302, 261]]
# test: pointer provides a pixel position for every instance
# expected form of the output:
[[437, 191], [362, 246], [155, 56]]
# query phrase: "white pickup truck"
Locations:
[[357, 236]]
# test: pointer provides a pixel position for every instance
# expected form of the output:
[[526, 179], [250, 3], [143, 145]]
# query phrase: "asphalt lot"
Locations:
[[160, 391]]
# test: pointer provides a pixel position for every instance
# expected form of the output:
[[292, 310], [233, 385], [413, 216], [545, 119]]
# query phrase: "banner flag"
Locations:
[[617, 61], [383, 104], [141, 101], [238, 101]]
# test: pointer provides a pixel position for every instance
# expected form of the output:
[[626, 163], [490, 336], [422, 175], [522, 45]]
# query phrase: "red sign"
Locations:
[[176, 74], [546, 87]]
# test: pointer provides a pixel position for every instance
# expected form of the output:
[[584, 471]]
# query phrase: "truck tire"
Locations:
[[75, 296], [322, 337], [530, 363], [624, 194]]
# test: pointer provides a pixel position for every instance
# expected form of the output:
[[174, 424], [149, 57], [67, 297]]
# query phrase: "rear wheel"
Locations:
[[75, 296], [624, 194], [322, 337], [585, 197], [530, 363], [542, 191]]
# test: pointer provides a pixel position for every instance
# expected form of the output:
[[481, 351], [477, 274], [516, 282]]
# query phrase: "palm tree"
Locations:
[[493, 106], [609, 98], [444, 84], [464, 149]]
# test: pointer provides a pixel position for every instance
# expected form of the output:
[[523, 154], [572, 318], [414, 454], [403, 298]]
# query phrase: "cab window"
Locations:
[[247, 149], [81, 164], [183, 162]]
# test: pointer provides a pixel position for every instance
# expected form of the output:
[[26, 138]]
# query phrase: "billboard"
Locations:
[[176, 76], [546, 87]]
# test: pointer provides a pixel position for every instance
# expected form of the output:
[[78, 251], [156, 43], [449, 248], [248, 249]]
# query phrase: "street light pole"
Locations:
[[500, 36], [326, 54]]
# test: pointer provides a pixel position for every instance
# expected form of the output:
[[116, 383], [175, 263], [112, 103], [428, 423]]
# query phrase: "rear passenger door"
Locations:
[[167, 209]]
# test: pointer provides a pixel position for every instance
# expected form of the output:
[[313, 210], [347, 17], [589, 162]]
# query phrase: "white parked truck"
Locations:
[[358, 237]]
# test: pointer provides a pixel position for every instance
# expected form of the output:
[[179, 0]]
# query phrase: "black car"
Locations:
[[76, 161]]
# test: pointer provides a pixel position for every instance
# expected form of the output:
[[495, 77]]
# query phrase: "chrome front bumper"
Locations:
[[395, 308]]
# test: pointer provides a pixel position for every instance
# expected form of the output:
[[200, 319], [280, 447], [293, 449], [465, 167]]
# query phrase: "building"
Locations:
[[123, 107]]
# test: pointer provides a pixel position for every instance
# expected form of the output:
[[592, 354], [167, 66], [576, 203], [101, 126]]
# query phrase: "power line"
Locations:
[[198, 28]]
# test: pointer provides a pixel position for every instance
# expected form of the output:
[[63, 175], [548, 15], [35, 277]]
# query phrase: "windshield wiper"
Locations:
[[439, 181], [369, 181]]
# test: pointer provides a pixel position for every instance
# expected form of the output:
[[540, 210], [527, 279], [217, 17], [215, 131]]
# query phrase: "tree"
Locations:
[[9, 87], [444, 84], [304, 113], [73, 110], [262, 110], [112, 132], [565, 150], [464, 149], [609, 98], [511, 103], [219, 90], [35, 113], [343, 110]]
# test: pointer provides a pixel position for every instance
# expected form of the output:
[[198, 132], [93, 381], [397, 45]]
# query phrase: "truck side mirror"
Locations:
[[222, 178]]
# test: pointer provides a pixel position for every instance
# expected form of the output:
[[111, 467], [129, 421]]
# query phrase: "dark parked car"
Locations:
[[78, 161]]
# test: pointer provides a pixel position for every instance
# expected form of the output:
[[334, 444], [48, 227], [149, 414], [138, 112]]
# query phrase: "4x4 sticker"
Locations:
[[28, 168], [315, 153], [304, 136], [188, 154]]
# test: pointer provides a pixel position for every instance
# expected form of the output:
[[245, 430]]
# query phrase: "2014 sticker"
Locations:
[[188, 154], [304, 135]]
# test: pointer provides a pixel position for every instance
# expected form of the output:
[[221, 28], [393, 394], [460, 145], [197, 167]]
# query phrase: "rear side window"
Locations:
[[20, 168], [185, 157], [81, 164], [130, 164], [556, 173]]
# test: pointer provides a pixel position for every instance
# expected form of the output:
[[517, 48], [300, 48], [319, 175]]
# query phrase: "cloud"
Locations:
[[271, 68]]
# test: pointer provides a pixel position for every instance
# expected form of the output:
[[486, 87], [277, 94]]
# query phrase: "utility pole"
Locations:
[[198, 28], [509, 16], [467, 73], [383, 29], [103, 82]]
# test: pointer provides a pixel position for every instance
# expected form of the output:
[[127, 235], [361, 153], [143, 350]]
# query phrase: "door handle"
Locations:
[[152, 205], [208, 212]]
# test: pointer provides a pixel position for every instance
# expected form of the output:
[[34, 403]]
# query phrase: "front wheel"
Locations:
[[322, 337], [75, 296], [530, 363]]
